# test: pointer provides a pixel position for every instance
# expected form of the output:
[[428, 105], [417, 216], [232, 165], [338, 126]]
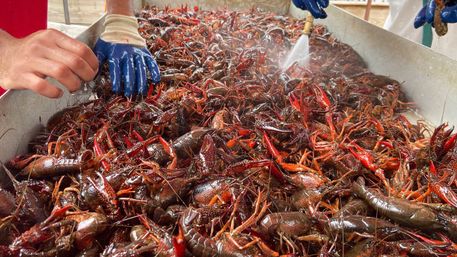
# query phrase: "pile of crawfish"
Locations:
[[230, 155]]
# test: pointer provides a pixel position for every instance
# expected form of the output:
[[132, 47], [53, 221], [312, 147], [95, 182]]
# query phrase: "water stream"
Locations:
[[299, 53]]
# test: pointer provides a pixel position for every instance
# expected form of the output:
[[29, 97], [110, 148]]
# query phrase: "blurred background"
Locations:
[[85, 12], [81, 13]]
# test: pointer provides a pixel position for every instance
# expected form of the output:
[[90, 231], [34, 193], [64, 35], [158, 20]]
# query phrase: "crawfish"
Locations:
[[63, 246], [403, 211], [169, 216], [190, 142], [91, 252], [101, 194], [205, 193], [362, 225], [286, 223], [440, 188], [30, 206], [170, 192], [353, 207], [148, 237], [420, 249], [130, 250], [361, 249], [42, 231], [203, 246], [442, 142], [158, 154], [6, 232], [207, 157], [306, 180], [90, 192], [90, 225], [49, 166], [306, 198]]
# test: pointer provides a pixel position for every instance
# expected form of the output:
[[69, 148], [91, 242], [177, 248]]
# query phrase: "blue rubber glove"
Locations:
[[427, 14], [449, 14], [315, 7], [128, 66], [125, 50]]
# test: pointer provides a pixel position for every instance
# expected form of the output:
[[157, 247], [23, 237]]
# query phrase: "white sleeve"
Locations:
[[122, 29]]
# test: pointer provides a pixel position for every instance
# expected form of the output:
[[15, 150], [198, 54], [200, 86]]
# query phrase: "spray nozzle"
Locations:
[[308, 24]]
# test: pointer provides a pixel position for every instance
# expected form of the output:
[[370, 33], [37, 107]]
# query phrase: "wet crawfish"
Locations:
[[231, 155], [405, 212]]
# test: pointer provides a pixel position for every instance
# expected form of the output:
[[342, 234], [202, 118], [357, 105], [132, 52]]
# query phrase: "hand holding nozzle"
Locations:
[[437, 13], [315, 7]]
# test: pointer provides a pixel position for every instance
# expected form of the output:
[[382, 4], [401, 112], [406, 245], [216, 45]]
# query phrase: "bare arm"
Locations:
[[124, 7]]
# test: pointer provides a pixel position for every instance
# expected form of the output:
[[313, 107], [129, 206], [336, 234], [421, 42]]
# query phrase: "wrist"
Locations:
[[122, 29], [122, 7], [4, 36]]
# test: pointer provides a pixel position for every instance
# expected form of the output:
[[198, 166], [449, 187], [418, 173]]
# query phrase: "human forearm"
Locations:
[[5, 38], [123, 7]]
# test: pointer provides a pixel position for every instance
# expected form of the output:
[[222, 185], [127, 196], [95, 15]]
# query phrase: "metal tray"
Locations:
[[429, 79]]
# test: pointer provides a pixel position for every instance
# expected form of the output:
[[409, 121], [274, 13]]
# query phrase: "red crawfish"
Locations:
[[441, 189]]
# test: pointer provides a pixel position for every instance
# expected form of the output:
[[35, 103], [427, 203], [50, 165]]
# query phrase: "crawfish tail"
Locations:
[[196, 242], [287, 223], [363, 224], [200, 245], [353, 207]]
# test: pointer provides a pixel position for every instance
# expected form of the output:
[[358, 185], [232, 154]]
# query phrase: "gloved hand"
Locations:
[[449, 13], [427, 14], [125, 50], [315, 7]]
